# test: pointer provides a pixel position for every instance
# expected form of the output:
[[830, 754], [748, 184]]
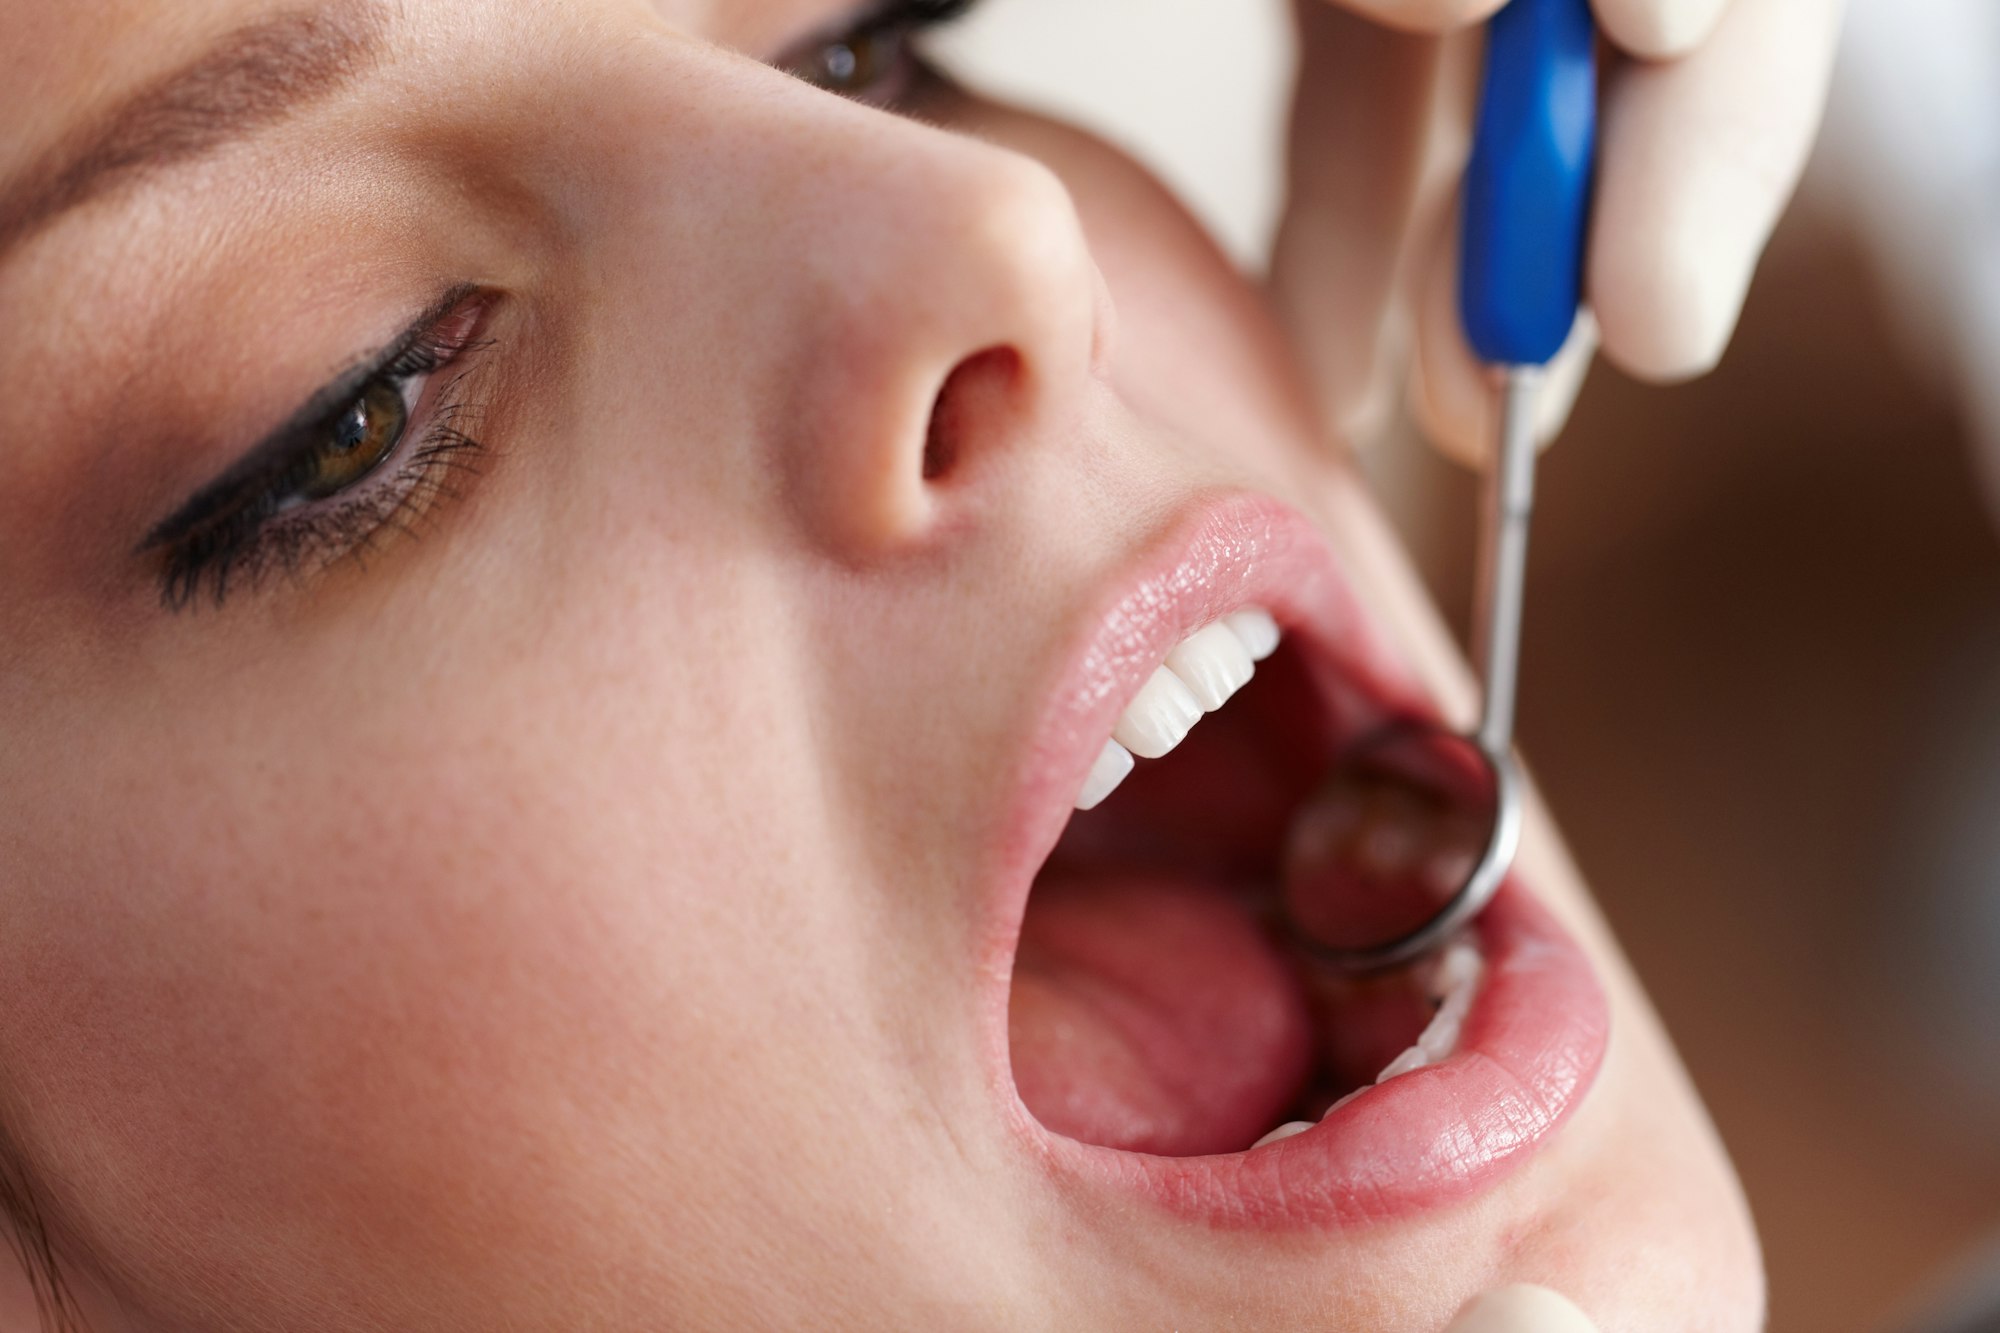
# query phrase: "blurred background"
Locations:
[[1762, 677]]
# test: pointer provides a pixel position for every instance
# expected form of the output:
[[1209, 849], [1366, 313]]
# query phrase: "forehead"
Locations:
[[60, 59]]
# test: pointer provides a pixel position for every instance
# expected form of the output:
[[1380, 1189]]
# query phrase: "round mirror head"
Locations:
[[1404, 841]]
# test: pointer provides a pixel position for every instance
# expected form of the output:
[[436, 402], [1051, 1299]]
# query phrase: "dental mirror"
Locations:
[[1415, 826], [1414, 829]]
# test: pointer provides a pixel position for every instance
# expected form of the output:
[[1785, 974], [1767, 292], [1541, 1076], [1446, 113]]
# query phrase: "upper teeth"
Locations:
[[1199, 675]]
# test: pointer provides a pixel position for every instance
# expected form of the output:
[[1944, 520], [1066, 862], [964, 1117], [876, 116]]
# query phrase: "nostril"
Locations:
[[939, 452], [977, 391]]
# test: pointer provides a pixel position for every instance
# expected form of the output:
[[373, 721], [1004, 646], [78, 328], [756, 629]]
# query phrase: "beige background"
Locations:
[[1195, 89]]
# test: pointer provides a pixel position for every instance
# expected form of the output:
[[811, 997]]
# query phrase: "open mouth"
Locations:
[[1157, 1015], [1156, 1007]]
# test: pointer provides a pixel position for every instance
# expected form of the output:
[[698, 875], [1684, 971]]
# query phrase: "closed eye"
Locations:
[[871, 59]]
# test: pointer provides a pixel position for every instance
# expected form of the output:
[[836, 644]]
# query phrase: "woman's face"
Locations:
[[560, 586]]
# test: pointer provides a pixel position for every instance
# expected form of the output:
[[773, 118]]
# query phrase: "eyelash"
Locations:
[[821, 61], [265, 528]]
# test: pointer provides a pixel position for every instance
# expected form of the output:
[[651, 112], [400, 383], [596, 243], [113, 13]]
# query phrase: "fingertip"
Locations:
[[1696, 160], [1451, 394], [1564, 379], [1455, 401], [1521, 1309], [1666, 314], [1658, 29], [1424, 16], [1452, 414]]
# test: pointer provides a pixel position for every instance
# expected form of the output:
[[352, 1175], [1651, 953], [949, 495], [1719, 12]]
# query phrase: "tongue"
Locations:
[[1153, 1016]]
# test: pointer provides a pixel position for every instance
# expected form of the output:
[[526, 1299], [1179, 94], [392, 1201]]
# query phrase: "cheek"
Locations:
[[385, 963], [513, 911]]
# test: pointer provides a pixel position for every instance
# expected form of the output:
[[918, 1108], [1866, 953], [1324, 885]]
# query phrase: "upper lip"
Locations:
[[1224, 552]]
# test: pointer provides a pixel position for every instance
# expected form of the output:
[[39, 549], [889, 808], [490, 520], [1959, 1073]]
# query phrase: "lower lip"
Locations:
[[1529, 1051]]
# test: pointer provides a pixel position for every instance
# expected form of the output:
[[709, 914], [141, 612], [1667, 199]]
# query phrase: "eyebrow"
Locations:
[[255, 75]]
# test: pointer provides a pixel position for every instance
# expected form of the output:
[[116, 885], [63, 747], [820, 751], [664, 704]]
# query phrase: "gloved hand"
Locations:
[[1520, 1309], [1707, 111]]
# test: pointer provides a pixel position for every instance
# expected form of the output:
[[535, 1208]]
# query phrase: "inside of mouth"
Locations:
[[1156, 1005]]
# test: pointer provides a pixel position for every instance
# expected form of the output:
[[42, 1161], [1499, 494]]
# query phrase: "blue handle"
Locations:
[[1527, 189]]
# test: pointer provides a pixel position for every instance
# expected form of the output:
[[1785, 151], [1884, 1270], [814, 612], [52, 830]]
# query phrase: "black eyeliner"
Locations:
[[886, 16], [250, 477], [914, 13]]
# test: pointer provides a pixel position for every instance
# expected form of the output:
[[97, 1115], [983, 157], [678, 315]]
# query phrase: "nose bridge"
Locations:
[[953, 310], [992, 239]]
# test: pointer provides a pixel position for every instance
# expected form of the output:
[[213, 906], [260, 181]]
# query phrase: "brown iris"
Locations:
[[359, 439]]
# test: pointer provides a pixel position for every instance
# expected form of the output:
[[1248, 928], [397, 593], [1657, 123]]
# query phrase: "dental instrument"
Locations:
[[1416, 827]]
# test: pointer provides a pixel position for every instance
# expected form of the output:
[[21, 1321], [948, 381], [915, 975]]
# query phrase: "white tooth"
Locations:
[[1113, 762], [1345, 1098], [1160, 715], [1456, 980], [1253, 625], [1458, 966], [1284, 1131], [1213, 663], [1412, 1058]]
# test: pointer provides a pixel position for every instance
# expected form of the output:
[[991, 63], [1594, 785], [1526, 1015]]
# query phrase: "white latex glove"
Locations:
[[1521, 1309], [1707, 112]]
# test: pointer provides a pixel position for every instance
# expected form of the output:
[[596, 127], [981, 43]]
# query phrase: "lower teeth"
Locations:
[[1284, 1131], [1451, 981]]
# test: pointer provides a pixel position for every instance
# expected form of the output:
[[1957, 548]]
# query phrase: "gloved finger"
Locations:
[[1421, 16], [1696, 159], [1520, 1309], [1377, 135], [1454, 397], [1658, 29], [1652, 29]]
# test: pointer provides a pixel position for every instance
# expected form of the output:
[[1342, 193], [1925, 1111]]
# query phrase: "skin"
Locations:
[[565, 919]]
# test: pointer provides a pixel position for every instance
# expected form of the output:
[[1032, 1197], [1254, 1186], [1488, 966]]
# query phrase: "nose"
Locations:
[[948, 312]]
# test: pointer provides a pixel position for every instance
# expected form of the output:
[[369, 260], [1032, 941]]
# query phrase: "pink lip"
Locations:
[[1536, 1035]]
